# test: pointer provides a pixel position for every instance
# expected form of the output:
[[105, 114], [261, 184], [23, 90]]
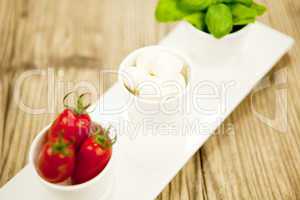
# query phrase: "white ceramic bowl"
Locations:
[[153, 127], [140, 109], [99, 188]]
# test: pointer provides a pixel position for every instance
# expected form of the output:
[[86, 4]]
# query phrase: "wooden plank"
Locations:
[[248, 158], [4, 99], [9, 13], [60, 32]]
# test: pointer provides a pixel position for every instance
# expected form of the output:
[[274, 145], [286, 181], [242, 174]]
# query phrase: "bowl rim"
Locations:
[[133, 55], [66, 188], [243, 30]]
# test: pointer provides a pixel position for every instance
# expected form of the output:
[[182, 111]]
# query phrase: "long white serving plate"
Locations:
[[147, 163]]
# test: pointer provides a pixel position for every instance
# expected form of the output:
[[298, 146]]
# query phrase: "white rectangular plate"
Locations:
[[144, 169]]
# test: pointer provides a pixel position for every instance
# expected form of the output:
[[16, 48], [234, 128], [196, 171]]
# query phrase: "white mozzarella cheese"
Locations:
[[159, 63], [132, 77]]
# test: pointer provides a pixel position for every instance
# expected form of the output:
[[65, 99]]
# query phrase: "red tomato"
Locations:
[[92, 158], [56, 160], [73, 124]]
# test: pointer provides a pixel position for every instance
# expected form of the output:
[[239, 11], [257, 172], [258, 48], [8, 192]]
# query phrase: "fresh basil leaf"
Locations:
[[243, 21], [168, 10], [219, 20], [196, 5], [197, 20], [260, 9], [245, 2], [242, 14]]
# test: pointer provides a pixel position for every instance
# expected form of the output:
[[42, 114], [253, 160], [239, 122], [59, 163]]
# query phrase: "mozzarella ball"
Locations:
[[158, 87], [132, 77], [159, 62]]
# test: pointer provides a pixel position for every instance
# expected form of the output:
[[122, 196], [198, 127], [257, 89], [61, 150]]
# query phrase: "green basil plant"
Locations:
[[218, 17]]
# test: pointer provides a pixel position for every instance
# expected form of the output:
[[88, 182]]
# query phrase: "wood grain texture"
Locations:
[[254, 155]]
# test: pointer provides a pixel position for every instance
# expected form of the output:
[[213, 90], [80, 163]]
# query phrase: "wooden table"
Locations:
[[254, 155]]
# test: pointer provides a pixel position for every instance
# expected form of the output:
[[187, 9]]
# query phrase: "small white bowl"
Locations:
[[140, 109], [99, 188], [155, 127]]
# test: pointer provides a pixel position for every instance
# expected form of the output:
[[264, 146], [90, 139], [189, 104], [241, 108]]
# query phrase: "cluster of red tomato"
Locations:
[[76, 147]]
